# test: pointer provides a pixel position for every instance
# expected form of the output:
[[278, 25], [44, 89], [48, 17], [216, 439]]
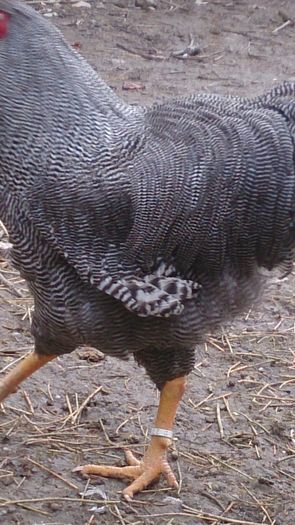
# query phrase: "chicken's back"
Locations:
[[218, 181]]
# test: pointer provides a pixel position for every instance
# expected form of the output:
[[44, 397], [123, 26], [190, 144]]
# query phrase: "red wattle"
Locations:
[[3, 24]]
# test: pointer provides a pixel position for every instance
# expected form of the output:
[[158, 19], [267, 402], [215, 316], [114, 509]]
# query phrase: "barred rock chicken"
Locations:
[[137, 229]]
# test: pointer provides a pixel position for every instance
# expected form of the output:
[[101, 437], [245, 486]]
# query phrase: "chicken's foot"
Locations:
[[155, 461]]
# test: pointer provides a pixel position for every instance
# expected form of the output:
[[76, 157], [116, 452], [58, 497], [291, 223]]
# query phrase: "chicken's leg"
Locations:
[[155, 459], [21, 371]]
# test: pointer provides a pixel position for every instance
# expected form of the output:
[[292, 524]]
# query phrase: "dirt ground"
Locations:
[[235, 449]]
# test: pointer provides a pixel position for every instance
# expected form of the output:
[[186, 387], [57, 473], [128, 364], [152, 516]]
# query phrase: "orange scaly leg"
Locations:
[[21, 371], [155, 459]]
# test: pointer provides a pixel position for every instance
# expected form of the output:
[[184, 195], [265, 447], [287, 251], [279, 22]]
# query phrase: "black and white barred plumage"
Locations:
[[136, 228]]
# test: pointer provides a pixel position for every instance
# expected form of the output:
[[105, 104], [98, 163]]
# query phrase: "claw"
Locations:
[[131, 459]]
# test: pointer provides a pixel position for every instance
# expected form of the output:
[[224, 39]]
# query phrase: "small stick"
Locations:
[[6, 423], [85, 488], [70, 408], [105, 432], [198, 405], [277, 398], [201, 515], [11, 286], [264, 510], [287, 382], [144, 432], [266, 385], [33, 424], [74, 415], [292, 456], [85, 403], [248, 314], [141, 53], [54, 474], [3, 227], [231, 467], [265, 406], [210, 397], [6, 502], [17, 410], [219, 421], [15, 424], [232, 369], [119, 515], [228, 342], [124, 423], [180, 479], [194, 458], [226, 404], [227, 394], [32, 509], [278, 324], [27, 398], [213, 498], [255, 423], [212, 342], [49, 392], [254, 430], [228, 508], [282, 26], [14, 362], [287, 474]]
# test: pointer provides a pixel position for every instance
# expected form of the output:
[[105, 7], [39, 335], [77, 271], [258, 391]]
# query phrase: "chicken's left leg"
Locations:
[[21, 371], [155, 459]]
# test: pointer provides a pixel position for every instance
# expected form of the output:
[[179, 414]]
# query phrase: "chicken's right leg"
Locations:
[[155, 461]]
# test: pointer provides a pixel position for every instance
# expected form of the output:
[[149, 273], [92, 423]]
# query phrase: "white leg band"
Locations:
[[162, 432]]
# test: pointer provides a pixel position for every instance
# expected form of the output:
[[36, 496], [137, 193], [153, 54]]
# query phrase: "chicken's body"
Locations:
[[137, 229]]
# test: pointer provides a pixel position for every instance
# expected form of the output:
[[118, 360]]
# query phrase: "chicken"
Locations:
[[137, 229]]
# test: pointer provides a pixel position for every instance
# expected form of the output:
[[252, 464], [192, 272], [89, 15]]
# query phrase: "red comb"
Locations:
[[4, 17]]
